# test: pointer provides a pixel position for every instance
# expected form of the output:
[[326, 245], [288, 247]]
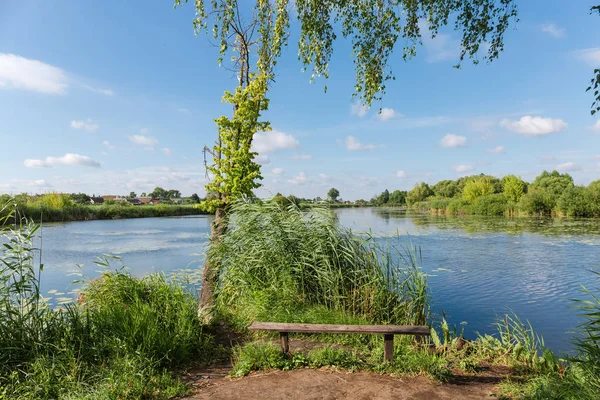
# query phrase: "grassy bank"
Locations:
[[55, 207], [123, 339], [127, 338]]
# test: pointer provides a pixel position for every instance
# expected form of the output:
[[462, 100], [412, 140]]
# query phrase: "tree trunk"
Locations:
[[218, 227]]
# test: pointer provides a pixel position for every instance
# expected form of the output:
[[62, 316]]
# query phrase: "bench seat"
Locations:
[[388, 332]]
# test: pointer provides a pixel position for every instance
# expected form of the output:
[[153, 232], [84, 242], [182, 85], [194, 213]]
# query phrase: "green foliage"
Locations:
[[52, 208], [553, 182], [536, 202], [578, 201], [397, 198], [588, 343], [492, 204], [117, 342], [162, 194], [420, 192], [374, 27], [80, 198], [513, 187], [407, 359], [333, 194], [476, 188], [551, 193], [446, 188], [438, 204], [280, 264], [458, 206]]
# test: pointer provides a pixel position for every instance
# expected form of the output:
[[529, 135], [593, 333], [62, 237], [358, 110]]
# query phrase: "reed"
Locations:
[[279, 263]]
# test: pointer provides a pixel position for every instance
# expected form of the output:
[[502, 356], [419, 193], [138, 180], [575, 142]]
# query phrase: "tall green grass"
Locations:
[[279, 263], [123, 339]]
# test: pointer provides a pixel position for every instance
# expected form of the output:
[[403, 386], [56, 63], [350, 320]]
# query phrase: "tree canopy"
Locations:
[[253, 33], [333, 194]]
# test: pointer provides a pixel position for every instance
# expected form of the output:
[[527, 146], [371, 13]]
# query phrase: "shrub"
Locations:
[[536, 202], [493, 204], [577, 201], [458, 206]]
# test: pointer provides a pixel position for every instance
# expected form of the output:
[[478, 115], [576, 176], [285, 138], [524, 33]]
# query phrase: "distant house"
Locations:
[[145, 200], [135, 202], [96, 200], [177, 200], [109, 197]]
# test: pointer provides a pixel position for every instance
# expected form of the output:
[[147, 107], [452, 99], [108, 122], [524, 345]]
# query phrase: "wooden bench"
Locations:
[[388, 332]]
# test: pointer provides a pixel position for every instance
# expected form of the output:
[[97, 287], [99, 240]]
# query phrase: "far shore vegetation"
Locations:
[[550, 194], [57, 207]]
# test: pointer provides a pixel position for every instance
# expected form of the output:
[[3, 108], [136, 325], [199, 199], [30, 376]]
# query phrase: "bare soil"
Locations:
[[325, 384], [329, 383]]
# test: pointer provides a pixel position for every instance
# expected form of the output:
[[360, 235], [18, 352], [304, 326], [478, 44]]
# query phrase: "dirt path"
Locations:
[[328, 384]]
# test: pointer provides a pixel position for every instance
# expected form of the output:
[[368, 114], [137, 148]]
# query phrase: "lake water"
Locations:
[[478, 267]]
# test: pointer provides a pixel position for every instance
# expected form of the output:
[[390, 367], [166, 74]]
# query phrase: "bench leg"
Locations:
[[285, 344], [388, 350]]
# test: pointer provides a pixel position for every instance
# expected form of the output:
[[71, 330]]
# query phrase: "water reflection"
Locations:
[[509, 225]]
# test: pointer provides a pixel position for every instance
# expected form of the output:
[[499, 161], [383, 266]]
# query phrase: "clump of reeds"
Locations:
[[279, 263]]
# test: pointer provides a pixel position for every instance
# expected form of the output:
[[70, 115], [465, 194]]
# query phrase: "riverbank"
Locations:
[[133, 338], [81, 212]]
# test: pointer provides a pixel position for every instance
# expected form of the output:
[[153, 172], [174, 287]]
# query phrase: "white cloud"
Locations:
[[301, 156], [596, 127], [352, 144], [143, 139], [108, 145], [553, 30], [183, 110], [535, 126], [497, 149], [323, 176], [67, 159], [23, 73], [589, 56], [262, 159], [277, 171], [104, 91], [359, 110], [401, 174], [463, 168], [568, 167], [23, 185], [267, 142], [167, 151], [87, 125], [387, 113], [300, 179], [453, 140]]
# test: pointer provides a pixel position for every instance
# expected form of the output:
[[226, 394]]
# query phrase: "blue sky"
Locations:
[[112, 97]]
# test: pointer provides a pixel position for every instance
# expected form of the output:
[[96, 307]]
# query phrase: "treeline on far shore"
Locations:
[[57, 207], [550, 194]]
